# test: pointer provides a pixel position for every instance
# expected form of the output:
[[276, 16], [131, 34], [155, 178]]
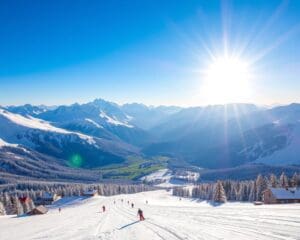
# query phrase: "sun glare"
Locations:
[[226, 80]]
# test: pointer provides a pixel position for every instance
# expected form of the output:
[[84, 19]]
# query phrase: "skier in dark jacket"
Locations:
[[103, 208], [141, 215], [132, 205]]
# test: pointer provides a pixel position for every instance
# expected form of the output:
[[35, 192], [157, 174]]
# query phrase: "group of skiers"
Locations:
[[139, 213]]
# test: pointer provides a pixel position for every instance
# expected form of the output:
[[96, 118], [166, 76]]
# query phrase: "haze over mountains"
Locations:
[[104, 133]]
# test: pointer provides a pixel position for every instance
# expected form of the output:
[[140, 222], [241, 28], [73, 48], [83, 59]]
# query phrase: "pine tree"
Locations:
[[219, 193], [261, 185], [31, 205], [2, 209], [273, 181], [295, 180], [252, 194], [18, 206], [8, 205], [284, 182]]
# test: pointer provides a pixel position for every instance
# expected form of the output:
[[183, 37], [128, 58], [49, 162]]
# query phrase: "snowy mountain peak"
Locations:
[[35, 123], [113, 120]]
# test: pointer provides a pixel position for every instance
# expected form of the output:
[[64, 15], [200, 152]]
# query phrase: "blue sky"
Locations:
[[61, 52]]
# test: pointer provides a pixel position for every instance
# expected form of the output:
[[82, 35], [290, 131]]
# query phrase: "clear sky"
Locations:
[[155, 52]]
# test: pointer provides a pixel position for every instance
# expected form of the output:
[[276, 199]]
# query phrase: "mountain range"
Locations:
[[101, 133]]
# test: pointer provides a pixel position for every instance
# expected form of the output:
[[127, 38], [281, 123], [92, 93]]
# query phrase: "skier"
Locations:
[[103, 208], [114, 202], [132, 205], [141, 215], [146, 201], [59, 210]]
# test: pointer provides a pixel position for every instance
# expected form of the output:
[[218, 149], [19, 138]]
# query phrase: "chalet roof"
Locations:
[[93, 191], [38, 210], [286, 193], [41, 209], [47, 195]]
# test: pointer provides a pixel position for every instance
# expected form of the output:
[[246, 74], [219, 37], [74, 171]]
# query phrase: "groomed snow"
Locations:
[[166, 218], [164, 178], [162, 174]]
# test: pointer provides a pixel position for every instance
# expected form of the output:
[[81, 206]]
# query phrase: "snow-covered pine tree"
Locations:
[[2, 209], [31, 205], [273, 180], [296, 180], [8, 205], [18, 206], [233, 193], [219, 193], [26, 207], [261, 185], [283, 180]]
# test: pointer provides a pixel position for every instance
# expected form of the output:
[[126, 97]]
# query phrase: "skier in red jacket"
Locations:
[[141, 215]]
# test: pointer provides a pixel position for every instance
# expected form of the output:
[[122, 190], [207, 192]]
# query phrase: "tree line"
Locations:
[[222, 191], [10, 194]]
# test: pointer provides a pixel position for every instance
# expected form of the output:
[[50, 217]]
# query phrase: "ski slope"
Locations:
[[167, 217]]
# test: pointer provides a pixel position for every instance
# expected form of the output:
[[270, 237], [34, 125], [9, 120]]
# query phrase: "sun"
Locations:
[[226, 80]]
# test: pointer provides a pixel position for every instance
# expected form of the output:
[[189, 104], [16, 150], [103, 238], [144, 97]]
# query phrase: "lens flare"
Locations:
[[76, 160]]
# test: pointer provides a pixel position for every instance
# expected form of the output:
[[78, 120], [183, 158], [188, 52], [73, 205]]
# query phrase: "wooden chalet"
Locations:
[[48, 198], [38, 210], [281, 195], [90, 193]]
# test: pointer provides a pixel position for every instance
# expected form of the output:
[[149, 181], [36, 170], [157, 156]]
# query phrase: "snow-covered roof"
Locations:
[[286, 193], [48, 195], [90, 191]]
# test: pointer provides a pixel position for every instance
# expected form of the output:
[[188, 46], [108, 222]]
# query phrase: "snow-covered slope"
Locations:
[[60, 143], [288, 155], [35, 123], [166, 218], [28, 109], [19, 164], [99, 118], [6, 144], [168, 178]]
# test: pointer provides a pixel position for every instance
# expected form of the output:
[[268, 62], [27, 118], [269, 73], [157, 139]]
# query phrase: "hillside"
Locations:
[[19, 164], [103, 134], [45, 138], [166, 218]]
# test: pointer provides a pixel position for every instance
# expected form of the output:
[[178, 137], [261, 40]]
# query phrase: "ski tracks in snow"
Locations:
[[158, 229], [167, 218]]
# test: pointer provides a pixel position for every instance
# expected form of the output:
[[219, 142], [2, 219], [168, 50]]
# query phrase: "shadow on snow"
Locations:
[[128, 225]]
